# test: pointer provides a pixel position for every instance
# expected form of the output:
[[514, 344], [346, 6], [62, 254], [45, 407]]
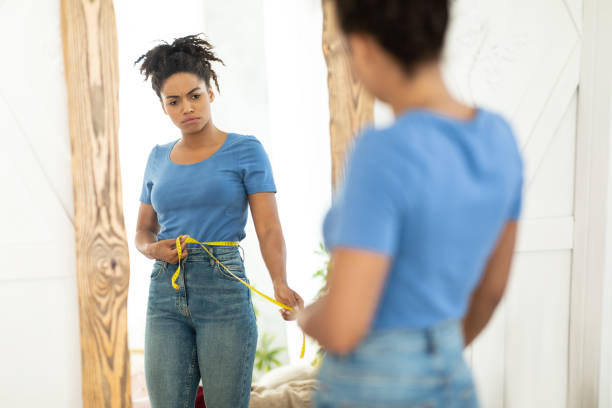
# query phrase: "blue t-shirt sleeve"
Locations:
[[517, 204], [517, 200], [255, 166], [368, 209], [147, 182]]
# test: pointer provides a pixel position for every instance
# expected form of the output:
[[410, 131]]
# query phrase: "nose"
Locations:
[[187, 107]]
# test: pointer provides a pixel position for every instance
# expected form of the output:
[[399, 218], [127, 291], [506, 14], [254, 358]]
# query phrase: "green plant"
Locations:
[[265, 356], [322, 272]]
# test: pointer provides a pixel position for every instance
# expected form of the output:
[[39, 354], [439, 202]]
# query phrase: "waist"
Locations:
[[223, 253], [444, 336]]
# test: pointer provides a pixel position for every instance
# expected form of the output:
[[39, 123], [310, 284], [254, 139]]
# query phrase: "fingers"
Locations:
[[290, 297], [288, 314], [184, 251], [298, 299], [295, 300]]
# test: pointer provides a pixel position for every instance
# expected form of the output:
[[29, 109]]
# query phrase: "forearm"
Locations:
[[479, 313], [492, 286], [313, 322], [274, 253], [143, 240]]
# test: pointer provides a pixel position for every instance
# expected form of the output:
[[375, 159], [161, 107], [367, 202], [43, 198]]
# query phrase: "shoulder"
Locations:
[[159, 149], [244, 142], [371, 142], [153, 155], [385, 148], [498, 126], [245, 146], [381, 156]]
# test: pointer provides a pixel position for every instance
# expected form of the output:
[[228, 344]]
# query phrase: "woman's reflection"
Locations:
[[201, 186]]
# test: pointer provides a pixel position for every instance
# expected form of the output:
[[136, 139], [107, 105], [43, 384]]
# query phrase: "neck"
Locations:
[[424, 89], [207, 136]]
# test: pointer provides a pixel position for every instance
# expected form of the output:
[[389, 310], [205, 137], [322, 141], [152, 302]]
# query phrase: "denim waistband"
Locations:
[[193, 249], [446, 334], [199, 252]]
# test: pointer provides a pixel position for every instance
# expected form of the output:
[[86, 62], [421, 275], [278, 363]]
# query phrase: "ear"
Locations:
[[360, 47], [211, 94]]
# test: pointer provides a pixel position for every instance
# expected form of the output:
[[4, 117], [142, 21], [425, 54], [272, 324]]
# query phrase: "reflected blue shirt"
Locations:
[[207, 200], [433, 193]]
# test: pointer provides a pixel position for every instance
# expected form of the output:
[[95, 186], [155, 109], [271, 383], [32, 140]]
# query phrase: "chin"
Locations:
[[187, 129]]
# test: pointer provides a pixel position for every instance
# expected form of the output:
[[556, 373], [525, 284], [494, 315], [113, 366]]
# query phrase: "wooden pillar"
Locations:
[[92, 76], [350, 105]]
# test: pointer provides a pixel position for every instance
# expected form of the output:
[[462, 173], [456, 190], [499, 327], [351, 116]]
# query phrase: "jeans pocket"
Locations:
[[158, 268], [234, 266]]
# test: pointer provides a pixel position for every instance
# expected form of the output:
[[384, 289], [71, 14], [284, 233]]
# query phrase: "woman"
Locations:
[[422, 231], [200, 323]]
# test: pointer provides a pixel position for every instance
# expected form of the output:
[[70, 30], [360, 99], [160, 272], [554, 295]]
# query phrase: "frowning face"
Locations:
[[186, 98]]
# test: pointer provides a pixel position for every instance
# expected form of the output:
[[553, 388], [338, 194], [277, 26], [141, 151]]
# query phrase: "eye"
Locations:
[[196, 96], [172, 103]]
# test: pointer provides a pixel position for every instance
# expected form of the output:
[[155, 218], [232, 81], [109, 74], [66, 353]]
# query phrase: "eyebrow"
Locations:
[[188, 93]]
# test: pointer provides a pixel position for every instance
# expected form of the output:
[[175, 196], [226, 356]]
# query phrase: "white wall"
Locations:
[[39, 343], [274, 86], [605, 384], [299, 120]]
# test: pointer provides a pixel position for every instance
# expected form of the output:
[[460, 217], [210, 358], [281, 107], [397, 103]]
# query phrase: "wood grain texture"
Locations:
[[90, 58], [350, 105]]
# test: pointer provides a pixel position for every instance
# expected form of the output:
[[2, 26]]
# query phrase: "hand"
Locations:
[[284, 294], [165, 250]]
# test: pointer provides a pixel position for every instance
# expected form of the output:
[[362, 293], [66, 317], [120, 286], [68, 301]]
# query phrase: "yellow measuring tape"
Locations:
[[190, 240]]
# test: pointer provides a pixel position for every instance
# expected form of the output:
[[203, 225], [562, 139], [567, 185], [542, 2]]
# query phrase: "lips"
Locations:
[[189, 121]]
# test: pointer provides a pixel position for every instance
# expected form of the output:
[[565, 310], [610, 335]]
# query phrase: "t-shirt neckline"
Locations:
[[225, 143], [444, 117]]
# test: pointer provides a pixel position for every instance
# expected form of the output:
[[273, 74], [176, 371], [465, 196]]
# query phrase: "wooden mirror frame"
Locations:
[[89, 38]]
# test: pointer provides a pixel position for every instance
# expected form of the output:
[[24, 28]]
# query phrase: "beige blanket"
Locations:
[[294, 394]]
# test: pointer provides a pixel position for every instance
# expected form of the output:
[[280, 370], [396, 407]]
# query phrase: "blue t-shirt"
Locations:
[[207, 200], [433, 193]]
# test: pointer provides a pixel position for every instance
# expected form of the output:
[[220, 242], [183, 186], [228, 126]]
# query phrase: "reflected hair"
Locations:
[[191, 54], [413, 31]]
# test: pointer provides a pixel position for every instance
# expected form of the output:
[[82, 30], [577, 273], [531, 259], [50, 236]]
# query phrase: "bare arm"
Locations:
[[342, 317], [492, 286], [272, 245], [147, 228]]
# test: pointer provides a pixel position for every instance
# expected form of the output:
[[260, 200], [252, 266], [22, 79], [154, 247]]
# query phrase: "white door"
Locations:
[[522, 58]]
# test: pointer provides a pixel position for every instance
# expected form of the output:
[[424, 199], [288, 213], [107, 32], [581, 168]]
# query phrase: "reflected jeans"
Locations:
[[206, 329]]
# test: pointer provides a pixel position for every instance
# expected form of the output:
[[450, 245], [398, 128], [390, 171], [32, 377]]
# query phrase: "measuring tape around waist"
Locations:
[[190, 240]]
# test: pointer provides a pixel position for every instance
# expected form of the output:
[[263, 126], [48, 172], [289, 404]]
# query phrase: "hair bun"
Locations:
[[191, 53]]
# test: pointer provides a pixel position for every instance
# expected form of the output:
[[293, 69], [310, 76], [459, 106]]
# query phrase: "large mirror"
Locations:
[[273, 86]]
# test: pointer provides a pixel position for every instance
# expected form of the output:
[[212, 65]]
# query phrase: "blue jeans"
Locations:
[[205, 329], [400, 368]]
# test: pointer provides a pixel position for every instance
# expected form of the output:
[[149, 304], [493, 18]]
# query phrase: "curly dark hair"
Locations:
[[186, 54], [413, 31]]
